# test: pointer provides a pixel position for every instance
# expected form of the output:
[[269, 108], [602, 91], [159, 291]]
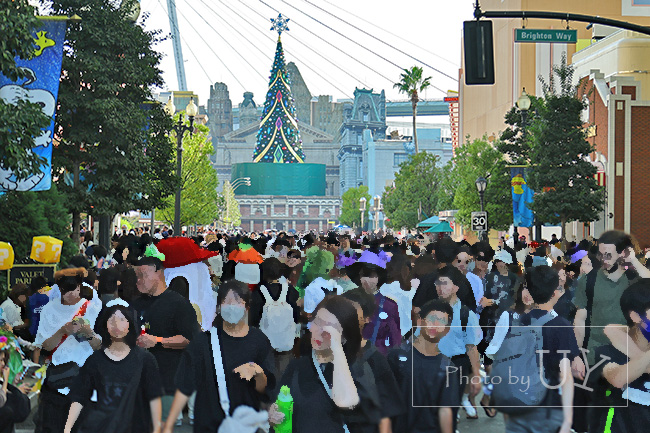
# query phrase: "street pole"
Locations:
[[153, 220], [484, 232], [179, 165], [180, 128]]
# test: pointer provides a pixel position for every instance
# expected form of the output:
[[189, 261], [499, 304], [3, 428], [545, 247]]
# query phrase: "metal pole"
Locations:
[[153, 221], [362, 212], [179, 165], [484, 232]]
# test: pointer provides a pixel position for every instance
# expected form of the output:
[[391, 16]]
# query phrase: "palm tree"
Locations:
[[411, 83]]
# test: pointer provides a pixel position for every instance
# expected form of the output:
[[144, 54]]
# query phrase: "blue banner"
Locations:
[[42, 88], [521, 195]]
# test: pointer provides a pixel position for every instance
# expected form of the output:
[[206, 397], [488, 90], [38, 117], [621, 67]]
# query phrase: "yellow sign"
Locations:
[[46, 249], [6, 256]]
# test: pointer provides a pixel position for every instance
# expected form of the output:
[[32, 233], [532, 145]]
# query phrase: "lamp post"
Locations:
[[376, 208], [481, 184], [239, 182], [523, 104], [180, 128], [362, 209]]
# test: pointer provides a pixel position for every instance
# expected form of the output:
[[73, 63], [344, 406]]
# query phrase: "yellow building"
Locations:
[[519, 65]]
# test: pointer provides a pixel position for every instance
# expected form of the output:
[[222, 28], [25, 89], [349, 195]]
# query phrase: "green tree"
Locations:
[[200, 201], [27, 214], [350, 213], [475, 159], [447, 186], [412, 83], [417, 184], [562, 177], [278, 139], [231, 216], [22, 121], [515, 141], [108, 134]]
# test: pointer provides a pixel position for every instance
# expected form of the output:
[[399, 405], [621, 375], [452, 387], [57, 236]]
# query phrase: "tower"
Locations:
[[219, 110]]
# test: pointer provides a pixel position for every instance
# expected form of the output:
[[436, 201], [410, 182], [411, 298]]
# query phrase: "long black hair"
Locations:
[[102, 325], [346, 314]]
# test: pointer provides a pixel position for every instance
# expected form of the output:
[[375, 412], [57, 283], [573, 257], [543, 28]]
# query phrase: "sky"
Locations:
[[230, 41]]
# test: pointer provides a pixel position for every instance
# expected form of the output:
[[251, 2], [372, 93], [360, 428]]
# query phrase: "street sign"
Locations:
[[479, 221], [547, 36]]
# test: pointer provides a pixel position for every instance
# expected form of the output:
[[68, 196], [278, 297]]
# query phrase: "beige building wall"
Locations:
[[518, 65]]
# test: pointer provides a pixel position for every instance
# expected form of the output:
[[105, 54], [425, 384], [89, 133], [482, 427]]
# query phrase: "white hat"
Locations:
[[315, 292], [248, 273], [504, 256]]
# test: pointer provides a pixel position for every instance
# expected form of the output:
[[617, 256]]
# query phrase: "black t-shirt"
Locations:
[[558, 334], [111, 379], [427, 381], [633, 418], [390, 397], [167, 315], [313, 409], [196, 373], [258, 302], [426, 291]]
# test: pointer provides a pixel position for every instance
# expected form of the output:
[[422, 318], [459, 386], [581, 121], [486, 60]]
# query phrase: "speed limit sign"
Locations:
[[479, 221]]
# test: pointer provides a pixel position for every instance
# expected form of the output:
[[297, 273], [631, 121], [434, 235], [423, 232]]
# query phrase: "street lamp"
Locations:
[[239, 182], [362, 209], [481, 184], [376, 208], [180, 128], [523, 104]]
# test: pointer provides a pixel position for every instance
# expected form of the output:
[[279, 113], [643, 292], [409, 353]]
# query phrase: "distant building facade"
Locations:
[[219, 110]]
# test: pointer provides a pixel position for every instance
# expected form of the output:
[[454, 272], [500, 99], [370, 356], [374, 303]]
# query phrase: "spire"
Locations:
[[278, 139]]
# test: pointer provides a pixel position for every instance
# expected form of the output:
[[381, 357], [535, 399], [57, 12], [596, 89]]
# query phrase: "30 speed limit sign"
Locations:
[[479, 221]]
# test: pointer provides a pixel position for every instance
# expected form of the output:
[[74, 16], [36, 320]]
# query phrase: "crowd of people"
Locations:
[[334, 332]]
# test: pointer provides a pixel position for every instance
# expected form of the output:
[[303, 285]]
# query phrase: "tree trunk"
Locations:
[[105, 231], [415, 132], [564, 241]]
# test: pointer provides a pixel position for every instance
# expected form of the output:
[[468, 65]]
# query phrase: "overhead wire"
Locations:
[[380, 40], [331, 44], [208, 45], [349, 39], [264, 54], [455, 64], [227, 43], [291, 51], [303, 62]]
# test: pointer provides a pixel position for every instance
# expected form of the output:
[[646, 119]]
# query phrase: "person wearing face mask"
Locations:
[[125, 378], [65, 329], [247, 358], [621, 384], [427, 379]]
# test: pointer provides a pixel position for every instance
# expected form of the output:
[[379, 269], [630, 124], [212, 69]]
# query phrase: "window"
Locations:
[[365, 117], [399, 158]]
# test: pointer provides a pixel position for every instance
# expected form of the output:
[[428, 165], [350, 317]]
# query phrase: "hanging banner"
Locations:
[[41, 88], [521, 195]]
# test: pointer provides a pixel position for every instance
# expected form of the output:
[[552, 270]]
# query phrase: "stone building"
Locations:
[[219, 110]]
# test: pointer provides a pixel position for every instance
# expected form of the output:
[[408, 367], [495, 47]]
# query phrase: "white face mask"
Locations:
[[233, 313]]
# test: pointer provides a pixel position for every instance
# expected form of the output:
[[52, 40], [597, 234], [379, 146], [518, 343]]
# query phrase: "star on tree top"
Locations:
[[280, 24]]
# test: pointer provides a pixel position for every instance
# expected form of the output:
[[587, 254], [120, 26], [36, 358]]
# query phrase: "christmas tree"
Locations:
[[278, 139]]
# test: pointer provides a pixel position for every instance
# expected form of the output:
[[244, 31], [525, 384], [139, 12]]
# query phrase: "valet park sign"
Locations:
[[546, 36]]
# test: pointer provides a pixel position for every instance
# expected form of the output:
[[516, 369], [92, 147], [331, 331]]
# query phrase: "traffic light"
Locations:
[[479, 52]]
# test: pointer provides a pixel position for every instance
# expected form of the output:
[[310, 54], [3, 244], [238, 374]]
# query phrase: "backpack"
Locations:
[[277, 319], [518, 358]]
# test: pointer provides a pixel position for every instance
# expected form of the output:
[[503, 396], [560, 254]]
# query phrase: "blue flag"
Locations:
[[521, 195], [42, 88]]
